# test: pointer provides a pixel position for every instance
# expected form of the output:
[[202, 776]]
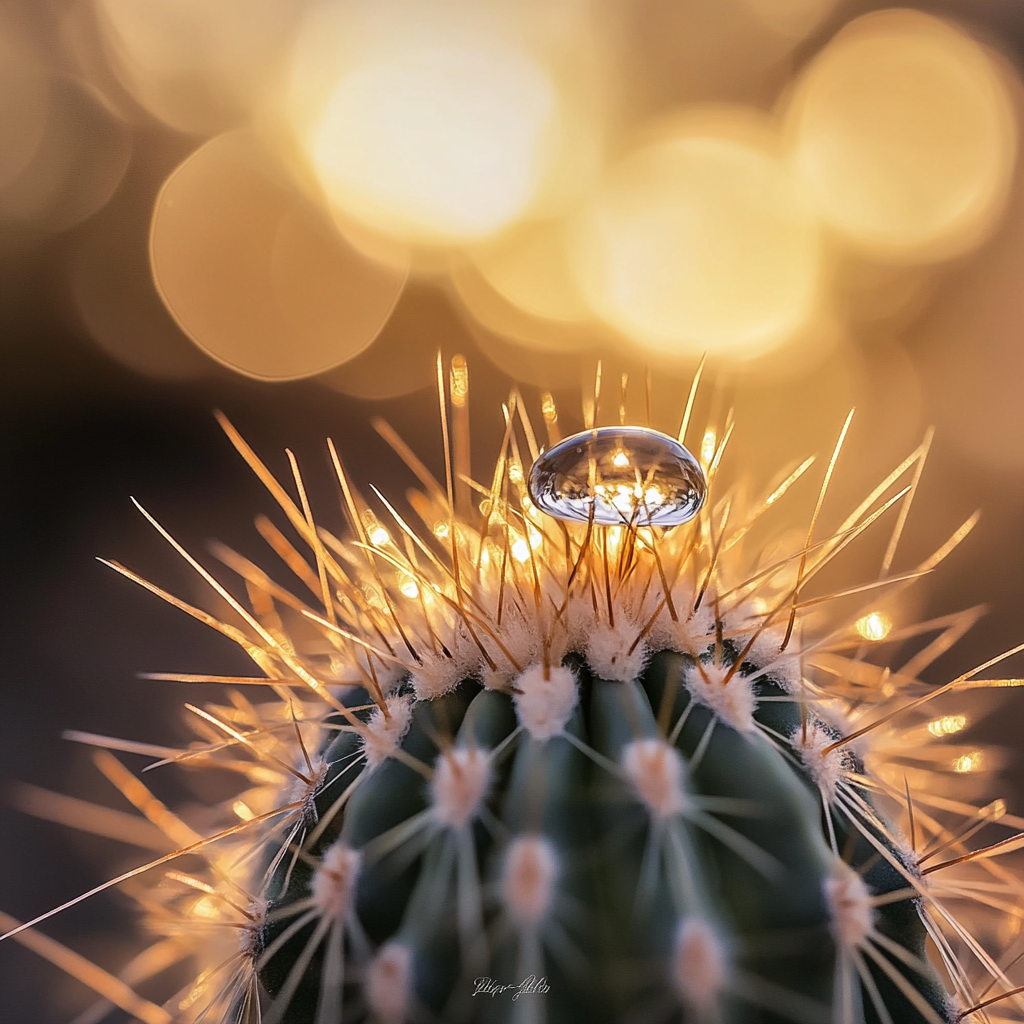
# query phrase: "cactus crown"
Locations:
[[503, 767]]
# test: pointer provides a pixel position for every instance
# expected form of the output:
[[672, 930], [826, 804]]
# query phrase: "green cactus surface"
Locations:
[[647, 861]]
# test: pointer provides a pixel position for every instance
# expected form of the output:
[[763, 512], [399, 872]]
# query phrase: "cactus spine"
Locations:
[[510, 770]]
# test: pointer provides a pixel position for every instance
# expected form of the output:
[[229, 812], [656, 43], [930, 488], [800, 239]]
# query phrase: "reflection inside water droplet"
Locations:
[[624, 474]]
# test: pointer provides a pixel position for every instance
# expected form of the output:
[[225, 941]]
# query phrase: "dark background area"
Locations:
[[80, 433]]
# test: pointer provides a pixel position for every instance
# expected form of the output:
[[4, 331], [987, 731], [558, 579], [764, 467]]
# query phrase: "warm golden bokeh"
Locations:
[[904, 132], [69, 150], [111, 290], [530, 268], [758, 180], [487, 311], [701, 240], [434, 128], [398, 362], [195, 65], [24, 101], [974, 336], [791, 19], [255, 275]]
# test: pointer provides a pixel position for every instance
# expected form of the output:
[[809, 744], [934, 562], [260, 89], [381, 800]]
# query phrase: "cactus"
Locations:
[[506, 768], [691, 846]]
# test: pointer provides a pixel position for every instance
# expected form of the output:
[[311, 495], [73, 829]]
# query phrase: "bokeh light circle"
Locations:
[[529, 267], [197, 66], [111, 290], [482, 304], [436, 136], [701, 241], [24, 101], [255, 274], [76, 165], [403, 358], [792, 19], [904, 132]]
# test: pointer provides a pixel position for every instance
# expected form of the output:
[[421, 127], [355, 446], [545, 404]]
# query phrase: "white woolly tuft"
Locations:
[[545, 705], [528, 880], [334, 881], [460, 782], [437, 673], [655, 770], [766, 652], [849, 904], [304, 792], [389, 676], [608, 650], [954, 1008], [388, 984], [381, 736], [825, 769], [521, 639], [693, 630], [734, 702], [699, 967], [783, 666], [250, 936]]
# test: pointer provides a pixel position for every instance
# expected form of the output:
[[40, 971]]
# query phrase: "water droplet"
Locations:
[[625, 474]]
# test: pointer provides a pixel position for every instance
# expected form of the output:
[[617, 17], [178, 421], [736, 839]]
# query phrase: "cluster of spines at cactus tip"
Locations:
[[663, 781]]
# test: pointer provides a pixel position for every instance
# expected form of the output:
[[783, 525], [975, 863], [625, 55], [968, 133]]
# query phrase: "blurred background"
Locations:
[[284, 209]]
